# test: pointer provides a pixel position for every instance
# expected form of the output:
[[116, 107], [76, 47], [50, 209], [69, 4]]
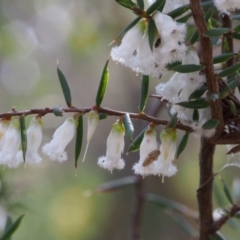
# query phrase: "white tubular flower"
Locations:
[[93, 119], [55, 150], [148, 145], [10, 144], [4, 123], [115, 146], [225, 5], [135, 52], [168, 148], [34, 139]]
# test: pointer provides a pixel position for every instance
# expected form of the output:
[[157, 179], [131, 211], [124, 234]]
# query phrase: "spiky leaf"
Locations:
[[137, 141], [216, 32], [182, 144], [79, 139], [144, 93], [223, 57], [230, 70], [187, 68], [23, 136], [128, 126], [152, 29], [210, 124], [197, 104]]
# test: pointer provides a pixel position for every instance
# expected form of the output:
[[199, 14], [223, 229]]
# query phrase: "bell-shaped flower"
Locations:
[[4, 123], [34, 139], [225, 5], [148, 154], [168, 147], [10, 144], [115, 146], [135, 51], [55, 149], [93, 119]]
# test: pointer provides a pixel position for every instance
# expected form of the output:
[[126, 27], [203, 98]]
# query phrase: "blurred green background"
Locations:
[[34, 34]]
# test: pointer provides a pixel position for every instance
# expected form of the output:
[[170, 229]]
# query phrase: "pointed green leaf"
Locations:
[[195, 116], [184, 18], [173, 64], [236, 17], [236, 35], [213, 97], [173, 121], [102, 116], [144, 93], [156, 5], [140, 4], [216, 32], [179, 11], [7, 225], [214, 23], [230, 70], [152, 30], [214, 40], [207, 4], [198, 93], [187, 68], [102, 85], [197, 104], [185, 225], [23, 136], [234, 150], [194, 38], [210, 124], [79, 139], [223, 57], [161, 6], [57, 111], [135, 145], [233, 107], [227, 192], [116, 185], [237, 28], [65, 88], [217, 236], [128, 126], [229, 88], [12, 228], [182, 144], [126, 3], [208, 14]]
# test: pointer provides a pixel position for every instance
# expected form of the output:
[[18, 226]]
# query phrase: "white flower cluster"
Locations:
[[10, 141], [135, 52], [225, 5], [153, 161]]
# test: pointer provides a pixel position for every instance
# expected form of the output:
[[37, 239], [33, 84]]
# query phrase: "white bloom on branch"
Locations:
[[225, 5], [55, 149], [148, 145], [115, 146], [168, 149], [34, 139], [10, 144], [135, 52]]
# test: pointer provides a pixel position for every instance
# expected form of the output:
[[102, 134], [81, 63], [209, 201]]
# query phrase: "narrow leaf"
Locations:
[[12, 228], [182, 144], [233, 107], [217, 236], [102, 85], [210, 124], [152, 29], [197, 104], [195, 116], [237, 28], [213, 97], [144, 93], [179, 11], [57, 110], [229, 88], [140, 4], [227, 192], [173, 64], [79, 139], [236, 35], [236, 17], [102, 116], [223, 57], [173, 121], [184, 18], [208, 14], [7, 225], [234, 150], [207, 3], [65, 88], [216, 32], [194, 38], [161, 6], [198, 93], [155, 6], [230, 70], [126, 3], [116, 185], [128, 126], [187, 68], [23, 136], [137, 141]]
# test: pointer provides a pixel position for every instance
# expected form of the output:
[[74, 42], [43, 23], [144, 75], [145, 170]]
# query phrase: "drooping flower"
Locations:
[[34, 139], [147, 148], [168, 147], [135, 52], [93, 119], [55, 149], [225, 5], [10, 144], [115, 146]]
